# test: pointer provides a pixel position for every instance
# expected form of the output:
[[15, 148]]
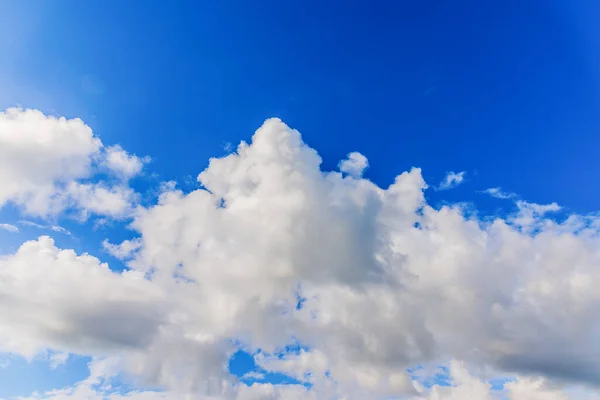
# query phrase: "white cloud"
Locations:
[[124, 164], [451, 180], [354, 165], [98, 387], [311, 364], [32, 224], [55, 299], [122, 251], [98, 198], [531, 216], [46, 163], [254, 375], [9, 228], [57, 228], [466, 386], [57, 359], [499, 194], [389, 282], [462, 384], [53, 228]]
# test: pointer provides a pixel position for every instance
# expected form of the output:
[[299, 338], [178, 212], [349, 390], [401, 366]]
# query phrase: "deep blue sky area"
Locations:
[[508, 91]]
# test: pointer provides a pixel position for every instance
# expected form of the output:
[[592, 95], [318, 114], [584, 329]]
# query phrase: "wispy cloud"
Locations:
[[499, 194], [31, 224], [254, 375], [53, 228], [451, 180], [9, 227]]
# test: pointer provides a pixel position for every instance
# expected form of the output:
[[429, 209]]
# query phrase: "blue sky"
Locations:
[[506, 92]]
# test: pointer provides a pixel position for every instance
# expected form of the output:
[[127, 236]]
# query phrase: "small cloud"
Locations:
[[57, 359], [124, 164], [53, 228], [452, 180], [122, 251], [30, 224], [167, 186], [56, 228], [101, 223], [228, 147], [530, 215], [354, 165], [499, 194], [254, 375], [9, 227], [537, 209]]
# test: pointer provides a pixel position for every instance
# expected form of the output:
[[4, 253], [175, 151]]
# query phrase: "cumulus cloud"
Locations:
[[354, 165], [48, 165], [57, 300], [122, 163], [451, 180], [387, 282], [101, 199]]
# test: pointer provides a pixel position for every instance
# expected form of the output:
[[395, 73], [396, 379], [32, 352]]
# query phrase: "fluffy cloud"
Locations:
[[451, 180], [354, 165], [463, 385], [123, 163], [273, 251], [56, 299], [47, 165], [124, 250]]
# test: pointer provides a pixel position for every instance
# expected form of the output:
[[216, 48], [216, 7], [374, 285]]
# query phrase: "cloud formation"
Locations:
[[499, 194], [461, 385], [451, 180], [272, 252], [47, 166], [122, 163], [124, 250], [9, 228], [354, 165]]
